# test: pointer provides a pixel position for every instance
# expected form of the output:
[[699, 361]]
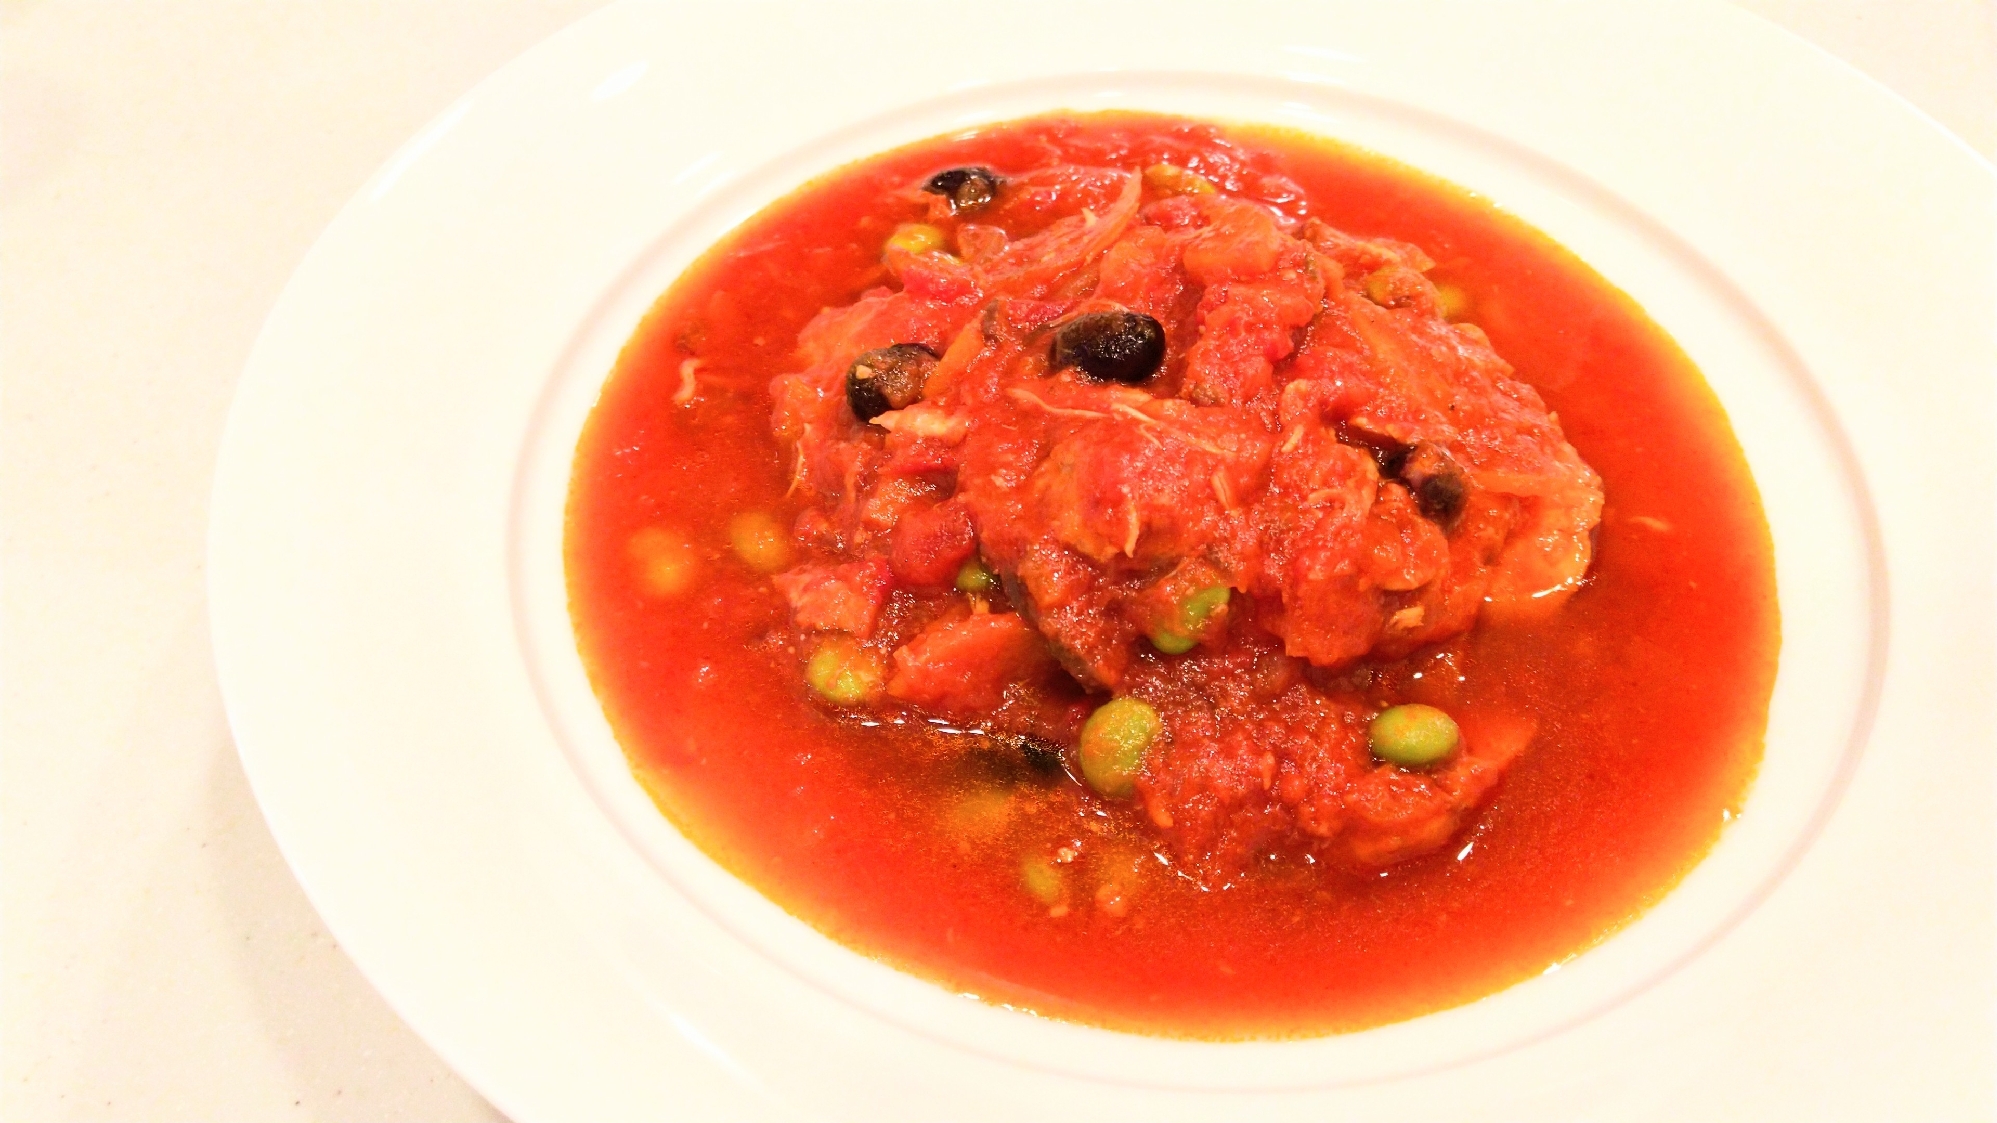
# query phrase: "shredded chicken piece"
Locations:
[[684, 393], [1027, 397], [926, 421]]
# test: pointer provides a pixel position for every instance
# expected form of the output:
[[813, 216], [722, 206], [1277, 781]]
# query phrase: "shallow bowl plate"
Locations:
[[391, 625]]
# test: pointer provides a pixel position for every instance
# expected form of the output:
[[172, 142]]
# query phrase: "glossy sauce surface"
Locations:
[[1649, 689]]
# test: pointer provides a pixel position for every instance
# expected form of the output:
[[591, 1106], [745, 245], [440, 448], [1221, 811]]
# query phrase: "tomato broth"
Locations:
[[906, 836]]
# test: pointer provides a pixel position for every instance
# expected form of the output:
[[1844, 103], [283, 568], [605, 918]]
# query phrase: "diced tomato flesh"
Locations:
[[963, 666], [844, 598], [930, 545]]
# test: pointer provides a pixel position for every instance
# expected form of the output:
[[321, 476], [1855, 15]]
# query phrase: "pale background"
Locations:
[[163, 167]]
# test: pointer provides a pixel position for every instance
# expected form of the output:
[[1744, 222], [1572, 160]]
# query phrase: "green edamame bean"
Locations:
[[665, 561], [760, 541], [916, 237], [843, 672], [1413, 735], [1193, 616], [1041, 879], [1114, 742], [974, 578]]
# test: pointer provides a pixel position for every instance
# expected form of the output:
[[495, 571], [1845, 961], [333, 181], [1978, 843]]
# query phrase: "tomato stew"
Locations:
[[1197, 580]]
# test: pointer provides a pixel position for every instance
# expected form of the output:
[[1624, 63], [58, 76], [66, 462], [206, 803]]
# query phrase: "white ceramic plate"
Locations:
[[391, 628]]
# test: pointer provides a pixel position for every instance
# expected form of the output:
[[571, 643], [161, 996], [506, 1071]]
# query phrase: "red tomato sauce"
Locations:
[[905, 831]]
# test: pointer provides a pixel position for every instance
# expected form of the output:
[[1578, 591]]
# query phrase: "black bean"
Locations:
[[1126, 347], [1438, 483], [888, 378], [1042, 755], [967, 189]]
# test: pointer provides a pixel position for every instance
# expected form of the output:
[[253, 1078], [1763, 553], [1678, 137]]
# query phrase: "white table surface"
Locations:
[[163, 167]]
